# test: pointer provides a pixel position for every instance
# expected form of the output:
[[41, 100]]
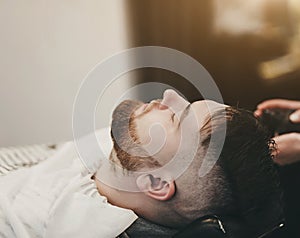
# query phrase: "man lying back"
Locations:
[[242, 182], [173, 167]]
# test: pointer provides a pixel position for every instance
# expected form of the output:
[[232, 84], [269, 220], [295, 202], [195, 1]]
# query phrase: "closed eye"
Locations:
[[173, 115]]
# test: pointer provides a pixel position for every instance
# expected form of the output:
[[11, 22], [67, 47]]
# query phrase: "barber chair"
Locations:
[[212, 226]]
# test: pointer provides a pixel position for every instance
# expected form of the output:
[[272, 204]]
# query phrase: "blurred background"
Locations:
[[251, 49]]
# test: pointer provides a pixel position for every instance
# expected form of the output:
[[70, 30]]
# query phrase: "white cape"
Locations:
[[57, 198]]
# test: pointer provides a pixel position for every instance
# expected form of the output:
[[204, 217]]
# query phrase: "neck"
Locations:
[[156, 211]]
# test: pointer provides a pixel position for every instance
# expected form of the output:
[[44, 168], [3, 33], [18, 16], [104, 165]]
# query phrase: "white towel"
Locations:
[[57, 198]]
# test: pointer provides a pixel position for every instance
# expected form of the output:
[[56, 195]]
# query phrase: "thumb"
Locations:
[[295, 116]]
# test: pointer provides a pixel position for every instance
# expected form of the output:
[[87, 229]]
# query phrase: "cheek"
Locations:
[[169, 148], [161, 141], [152, 134], [152, 127], [157, 134], [172, 145]]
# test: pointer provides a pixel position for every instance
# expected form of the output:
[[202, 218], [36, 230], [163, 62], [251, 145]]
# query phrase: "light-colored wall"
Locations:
[[47, 48]]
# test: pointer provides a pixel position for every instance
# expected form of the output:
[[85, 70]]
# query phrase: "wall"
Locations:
[[47, 48]]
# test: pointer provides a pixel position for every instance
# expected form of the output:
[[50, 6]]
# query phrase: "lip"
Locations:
[[143, 107]]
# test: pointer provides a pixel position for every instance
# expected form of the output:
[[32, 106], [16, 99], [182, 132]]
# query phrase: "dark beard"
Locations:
[[121, 126]]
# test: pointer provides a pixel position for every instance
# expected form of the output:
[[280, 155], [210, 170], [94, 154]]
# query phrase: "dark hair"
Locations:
[[246, 159]]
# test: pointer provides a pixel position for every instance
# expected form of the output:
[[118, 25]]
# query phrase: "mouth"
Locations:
[[148, 106], [144, 107]]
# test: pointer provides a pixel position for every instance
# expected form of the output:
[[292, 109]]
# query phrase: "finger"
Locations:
[[280, 146], [288, 150], [279, 103], [279, 140], [258, 113], [295, 116]]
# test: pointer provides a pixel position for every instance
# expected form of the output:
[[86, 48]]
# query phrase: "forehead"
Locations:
[[207, 106], [214, 104]]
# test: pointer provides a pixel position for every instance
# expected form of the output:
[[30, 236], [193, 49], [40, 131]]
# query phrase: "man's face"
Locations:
[[160, 123]]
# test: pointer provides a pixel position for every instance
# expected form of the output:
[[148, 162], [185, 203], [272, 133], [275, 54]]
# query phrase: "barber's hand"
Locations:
[[280, 103], [288, 145], [288, 148]]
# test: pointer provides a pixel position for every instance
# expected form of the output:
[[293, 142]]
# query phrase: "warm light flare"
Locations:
[[291, 61]]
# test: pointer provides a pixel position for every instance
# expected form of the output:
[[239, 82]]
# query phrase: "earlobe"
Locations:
[[156, 188]]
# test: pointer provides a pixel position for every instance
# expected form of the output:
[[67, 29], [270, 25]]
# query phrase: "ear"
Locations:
[[156, 188]]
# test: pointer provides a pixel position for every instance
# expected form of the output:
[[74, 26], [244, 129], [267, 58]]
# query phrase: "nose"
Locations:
[[174, 101]]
